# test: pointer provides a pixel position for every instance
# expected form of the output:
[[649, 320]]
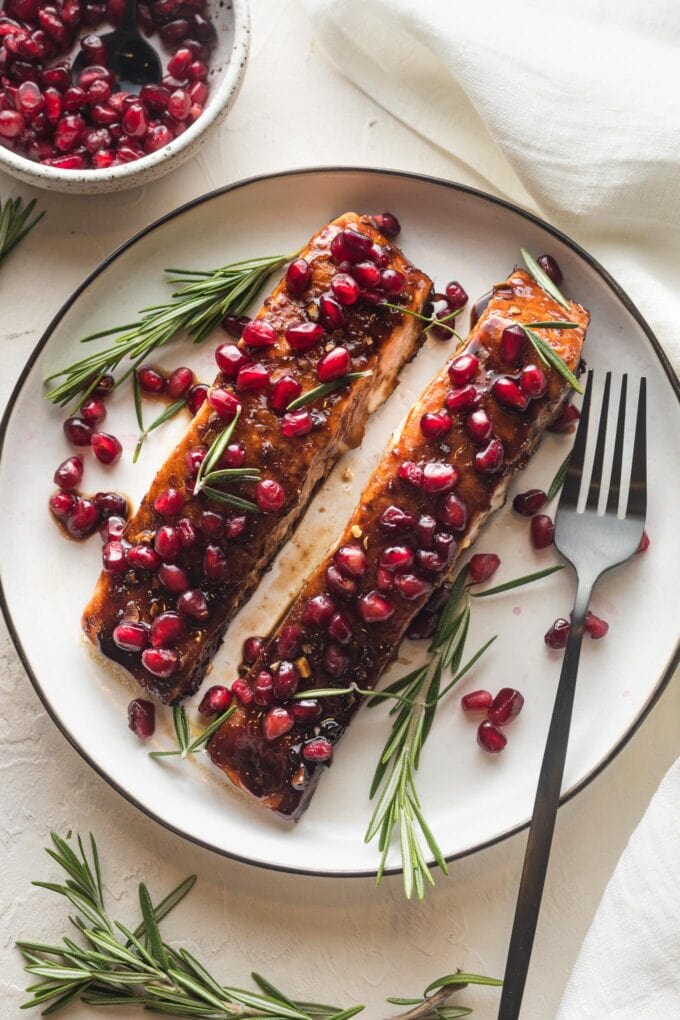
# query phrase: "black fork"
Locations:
[[593, 543]]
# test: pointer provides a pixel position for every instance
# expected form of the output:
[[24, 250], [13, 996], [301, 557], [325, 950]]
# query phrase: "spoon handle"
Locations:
[[129, 22]]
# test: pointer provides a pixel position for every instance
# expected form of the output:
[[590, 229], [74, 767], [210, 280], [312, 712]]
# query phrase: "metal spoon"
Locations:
[[133, 61]]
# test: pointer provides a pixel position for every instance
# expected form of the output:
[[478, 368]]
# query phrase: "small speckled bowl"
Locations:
[[227, 68]]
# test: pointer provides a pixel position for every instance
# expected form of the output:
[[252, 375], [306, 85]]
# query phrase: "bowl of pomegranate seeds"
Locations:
[[75, 129]]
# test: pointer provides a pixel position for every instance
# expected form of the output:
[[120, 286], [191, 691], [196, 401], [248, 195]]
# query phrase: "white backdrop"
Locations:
[[338, 941]]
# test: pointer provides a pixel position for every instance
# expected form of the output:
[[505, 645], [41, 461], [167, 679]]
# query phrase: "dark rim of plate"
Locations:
[[187, 207]]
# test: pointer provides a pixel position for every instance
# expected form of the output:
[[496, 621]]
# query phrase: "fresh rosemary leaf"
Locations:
[[181, 723], [460, 979], [137, 391], [203, 738], [552, 358], [517, 582], [325, 388], [449, 611], [560, 476], [246, 474], [542, 279], [166, 415], [552, 324], [153, 935], [392, 688], [225, 497], [15, 223]]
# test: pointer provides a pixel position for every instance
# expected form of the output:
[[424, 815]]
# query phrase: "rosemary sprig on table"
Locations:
[[200, 303], [15, 223], [209, 476], [114, 965]]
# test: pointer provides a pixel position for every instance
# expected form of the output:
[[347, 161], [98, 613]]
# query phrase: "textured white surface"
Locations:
[[339, 941]]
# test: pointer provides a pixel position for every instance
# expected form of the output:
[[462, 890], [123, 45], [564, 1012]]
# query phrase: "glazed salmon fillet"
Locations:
[[445, 470], [189, 554]]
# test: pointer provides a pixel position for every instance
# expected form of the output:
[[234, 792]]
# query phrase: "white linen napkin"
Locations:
[[570, 109], [574, 111]]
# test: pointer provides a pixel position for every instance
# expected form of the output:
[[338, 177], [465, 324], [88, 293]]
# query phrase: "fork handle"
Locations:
[[543, 819]]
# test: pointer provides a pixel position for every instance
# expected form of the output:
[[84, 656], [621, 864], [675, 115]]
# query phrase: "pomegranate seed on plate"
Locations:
[[596, 627], [180, 382], [215, 564], [93, 410], [277, 722], [235, 324], [367, 274], [259, 333], [351, 245], [150, 381], [550, 267], [78, 431], [425, 530], [508, 393], [490, 738], [387, 223], [542, 531], [345, 289], [513, 340], [106, 448], [211, 523], [286, 680], [483, 565], [69, 474], [411, 472], [167, 542], [215, 701], [112, 504], [197, 396], [141, 718], [161, 662], [644, 543], [231, 359], [530, 502], [392, 281], [456, 295], [84, 518], [339, 628], [317, 749], [558, 634], [112, 529], [306, 712], [331, 312], [167, 629], [506, 706], [334, 364], [476, 701], [298, 276], [289, 641], [463, 369], [491, 458], [252, 649], [131, 637], [396, 558]]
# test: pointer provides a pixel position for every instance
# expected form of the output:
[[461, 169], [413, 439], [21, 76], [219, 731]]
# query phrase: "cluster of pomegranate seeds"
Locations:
[[88, 124], [498, 711]]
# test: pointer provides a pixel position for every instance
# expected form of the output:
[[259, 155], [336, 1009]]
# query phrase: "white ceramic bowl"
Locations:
[[227, 68]]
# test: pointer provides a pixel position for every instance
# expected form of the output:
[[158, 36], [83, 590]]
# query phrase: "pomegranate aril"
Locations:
[[340, 629], [174, 578], [156, 137], [83, 518], [167, 630], [334, 364], [339, 584], [106, 448], [259, 333], [307, 711], [462, 399], [452, 512], [196, 397], [286, 680], [234, 456], [433, 425], [318, 749], [375, 607], [542, 531], [456, 295], [153, 98], [596, 626], [179, 104], [62, 504], [298, 276], [263, 689], [335, 661], [112, 529], [186, 530], [296, 423], [143, 557], [242, 691], [169, 503], [463, 369], [215, 566], [283, 393], [438, 477], [224, 403], [387, 223], [425, 530], [351, 245], [289, 641], [69, 474], [351, 560], [252, 377], [411, 472], [131, 637], [569, 416], [551, 269], [29, 99], [395, 520], [151, 381], [513, 340], [476, 701], [345, 289], [506, 706], [141, 718], [161, 662], [490, 738], [491, 458], [508, 393], [367, 274], [644, 543], [180, 382], [270, 495], [277, 722], [304, 335], [78, 431], [530, 502], [331, 312], [114, 558], [12, 124], [235, 526], [211, 523], [558, 634], [482, 566], [533, 381], [318, 611], [167, 543], [411, 587], [215, 701], [194, 605], [396, 558], [252, 649]]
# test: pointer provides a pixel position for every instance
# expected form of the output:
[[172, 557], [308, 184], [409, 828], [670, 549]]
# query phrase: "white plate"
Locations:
[[470, 798]]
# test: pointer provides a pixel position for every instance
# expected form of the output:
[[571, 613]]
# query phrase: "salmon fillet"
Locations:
[[241, 545], [421, 509]]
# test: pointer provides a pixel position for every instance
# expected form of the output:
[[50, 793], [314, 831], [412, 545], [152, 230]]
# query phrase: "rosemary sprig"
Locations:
[[185, 745], [543, 280], [550, 357], [208, 477], [325, 388], [114, 965], [559, 479], [15, 223], [431, 320], [201, 302], [165, 415]]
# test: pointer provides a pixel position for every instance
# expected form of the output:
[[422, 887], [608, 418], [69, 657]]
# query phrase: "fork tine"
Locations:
[[617, 460], [637, 494], [598, 459], [572, 482]]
